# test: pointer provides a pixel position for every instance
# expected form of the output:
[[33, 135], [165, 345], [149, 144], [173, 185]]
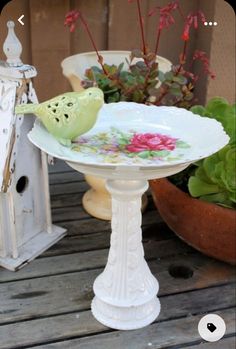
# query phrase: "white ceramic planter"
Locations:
[[97, 200]]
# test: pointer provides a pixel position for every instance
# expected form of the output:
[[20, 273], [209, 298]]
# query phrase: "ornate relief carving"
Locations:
[[126, 279]]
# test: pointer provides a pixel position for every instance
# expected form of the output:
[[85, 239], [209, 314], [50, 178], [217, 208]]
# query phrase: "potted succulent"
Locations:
[[199, 203], [140, 76]]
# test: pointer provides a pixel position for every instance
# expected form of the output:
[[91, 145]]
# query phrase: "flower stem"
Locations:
[[182, 58], [85, 24], [157, 41], [141, 26]]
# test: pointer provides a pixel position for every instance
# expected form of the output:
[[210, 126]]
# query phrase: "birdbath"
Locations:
[[130, 144]]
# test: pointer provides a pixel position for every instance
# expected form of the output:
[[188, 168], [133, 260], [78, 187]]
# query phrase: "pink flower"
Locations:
[[71, 19], [150, 141], [192, 19], [202, 56]]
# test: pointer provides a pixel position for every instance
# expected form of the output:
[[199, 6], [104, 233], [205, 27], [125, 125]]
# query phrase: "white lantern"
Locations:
[[26, 229]]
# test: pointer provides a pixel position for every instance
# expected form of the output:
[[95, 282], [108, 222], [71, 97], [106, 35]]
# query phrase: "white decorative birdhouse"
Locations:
[[26, 229]]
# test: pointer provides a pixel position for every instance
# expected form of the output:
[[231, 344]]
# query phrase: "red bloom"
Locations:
[[192, 19], [166, 18], [71, 18], [201, 55], [149, 141]]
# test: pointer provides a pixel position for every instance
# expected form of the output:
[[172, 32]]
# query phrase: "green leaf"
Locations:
[[180, 79], [161, 76], [197, 187], [217, 105], [182, 144], [120, 67], [115, 97], [176, 92], [144, 154], [169, 76], [219, 199], [198, 109], [160, 153]]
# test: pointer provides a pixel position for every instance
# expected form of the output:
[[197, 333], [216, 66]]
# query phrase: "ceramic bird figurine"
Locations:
[[69, 115]]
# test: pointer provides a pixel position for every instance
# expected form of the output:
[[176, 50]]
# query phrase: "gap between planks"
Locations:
[[82, 261], [174, 326], [21, 300]]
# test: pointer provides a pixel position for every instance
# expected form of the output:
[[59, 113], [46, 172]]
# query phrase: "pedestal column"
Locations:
[[125, 292]]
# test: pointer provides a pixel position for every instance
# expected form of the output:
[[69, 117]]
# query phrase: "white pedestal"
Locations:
[[125, 292]]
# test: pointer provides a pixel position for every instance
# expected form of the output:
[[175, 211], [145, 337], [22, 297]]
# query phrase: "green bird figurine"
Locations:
[[69, 115]]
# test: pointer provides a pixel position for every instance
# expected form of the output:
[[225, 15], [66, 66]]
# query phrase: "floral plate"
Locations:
[[131, 134]]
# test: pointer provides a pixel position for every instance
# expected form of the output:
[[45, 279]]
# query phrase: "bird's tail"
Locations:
[[26, 108]]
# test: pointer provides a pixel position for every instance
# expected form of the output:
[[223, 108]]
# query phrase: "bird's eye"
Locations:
[[54, 110], [57, 120], [66, 116], [69, 104], [56, 104]]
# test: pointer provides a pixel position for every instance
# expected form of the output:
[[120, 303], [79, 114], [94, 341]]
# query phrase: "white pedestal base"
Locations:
[[126, 318], [125, 292]]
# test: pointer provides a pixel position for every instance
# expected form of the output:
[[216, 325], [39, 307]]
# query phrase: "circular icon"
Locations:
[[211, 327]]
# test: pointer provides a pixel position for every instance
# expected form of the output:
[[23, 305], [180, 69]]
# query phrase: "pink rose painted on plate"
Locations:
[[150, 141], [115, 146]]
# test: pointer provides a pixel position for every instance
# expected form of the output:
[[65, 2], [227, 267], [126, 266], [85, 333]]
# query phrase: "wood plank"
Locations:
[[126, 36], [224, 343], [29, 299], [59, 166], [159, 335], [79, 243], [83, 242], [222, 51], [204, 43], [69, 188], [74, 199], [151, 224], [65, 200], [71, 213], [95, 13], [65, 177], [65, 214], [47, 16], [171, 44], [89, 260]]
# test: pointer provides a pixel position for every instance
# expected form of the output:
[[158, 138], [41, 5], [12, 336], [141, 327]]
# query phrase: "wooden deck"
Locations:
[[46, 305]]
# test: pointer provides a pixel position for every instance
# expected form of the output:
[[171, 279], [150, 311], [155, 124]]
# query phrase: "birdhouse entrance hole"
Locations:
[[22, 184]]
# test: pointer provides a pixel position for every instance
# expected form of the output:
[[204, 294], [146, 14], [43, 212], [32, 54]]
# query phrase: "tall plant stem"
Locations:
[[141, 26], [93, 43], [182, 58], [158, 40]]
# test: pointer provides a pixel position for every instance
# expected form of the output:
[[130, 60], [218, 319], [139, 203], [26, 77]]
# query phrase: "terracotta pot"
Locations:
[[207, 227]]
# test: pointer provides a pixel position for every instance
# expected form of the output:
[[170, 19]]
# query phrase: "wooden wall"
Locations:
[[114, 24]]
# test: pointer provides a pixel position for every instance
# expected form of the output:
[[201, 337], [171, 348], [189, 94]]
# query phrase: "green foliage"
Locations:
[[143, 82], [214, 178]]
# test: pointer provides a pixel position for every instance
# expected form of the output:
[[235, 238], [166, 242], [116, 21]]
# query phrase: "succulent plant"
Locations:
[[214, 178], [142, 81]]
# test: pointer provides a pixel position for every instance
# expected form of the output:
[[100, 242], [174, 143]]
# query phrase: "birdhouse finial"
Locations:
[[12, 46]]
